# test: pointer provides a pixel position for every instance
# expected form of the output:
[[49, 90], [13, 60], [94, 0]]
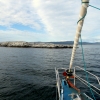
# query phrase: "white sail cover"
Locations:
[[83, 11]]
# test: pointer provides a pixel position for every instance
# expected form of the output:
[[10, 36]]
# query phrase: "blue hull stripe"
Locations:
[[66, 91]]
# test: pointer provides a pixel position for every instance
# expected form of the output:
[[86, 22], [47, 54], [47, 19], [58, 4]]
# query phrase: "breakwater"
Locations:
[[33, 44]]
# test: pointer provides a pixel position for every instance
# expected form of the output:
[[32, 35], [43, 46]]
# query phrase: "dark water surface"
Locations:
[[29, 73]]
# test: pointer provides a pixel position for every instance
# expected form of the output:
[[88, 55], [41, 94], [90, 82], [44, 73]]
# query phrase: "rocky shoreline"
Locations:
[[33, 45]]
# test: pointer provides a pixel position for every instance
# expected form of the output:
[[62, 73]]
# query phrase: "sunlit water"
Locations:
[[29, 73]]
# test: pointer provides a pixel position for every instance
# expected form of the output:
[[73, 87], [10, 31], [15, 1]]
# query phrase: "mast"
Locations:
[[83, 11]]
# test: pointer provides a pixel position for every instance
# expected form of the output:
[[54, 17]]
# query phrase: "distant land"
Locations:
[[71, 43], [63, 44], [33, 44]]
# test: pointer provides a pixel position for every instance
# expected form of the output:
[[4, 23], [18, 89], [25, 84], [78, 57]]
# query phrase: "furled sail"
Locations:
[[83, 11]]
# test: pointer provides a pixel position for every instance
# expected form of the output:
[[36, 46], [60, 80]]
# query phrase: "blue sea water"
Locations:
[[29, 73]]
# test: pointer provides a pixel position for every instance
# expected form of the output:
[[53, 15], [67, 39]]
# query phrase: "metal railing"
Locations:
[[85, 82], [58, 80], [88, 96]]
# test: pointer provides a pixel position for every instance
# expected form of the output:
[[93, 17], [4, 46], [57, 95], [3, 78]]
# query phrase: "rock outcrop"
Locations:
[[15, 44], [33, 44]]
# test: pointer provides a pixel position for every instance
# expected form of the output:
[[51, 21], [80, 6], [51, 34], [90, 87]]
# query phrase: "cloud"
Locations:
[[57, 17], [20, 11], [18, 35], [49, 20], [60, 18]]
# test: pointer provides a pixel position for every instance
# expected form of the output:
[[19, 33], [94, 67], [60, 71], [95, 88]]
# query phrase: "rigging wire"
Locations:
[[91, 5], [94, 7], [83, 52], [85, 70]]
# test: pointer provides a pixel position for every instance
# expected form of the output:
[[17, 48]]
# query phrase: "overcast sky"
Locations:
[[46, 20]]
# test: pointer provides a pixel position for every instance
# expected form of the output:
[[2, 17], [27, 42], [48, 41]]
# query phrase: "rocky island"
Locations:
[[33, 44]]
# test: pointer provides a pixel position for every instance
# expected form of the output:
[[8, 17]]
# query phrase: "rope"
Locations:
[[82, 18], [84, 59], [85, 70], [94, 7]]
